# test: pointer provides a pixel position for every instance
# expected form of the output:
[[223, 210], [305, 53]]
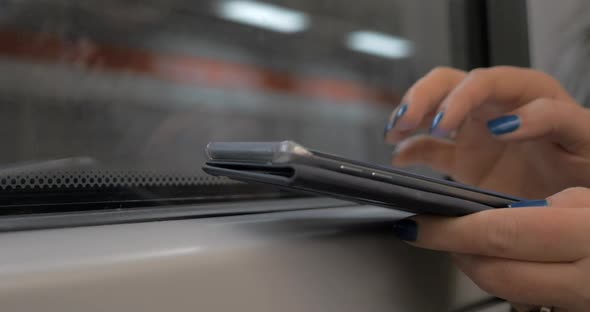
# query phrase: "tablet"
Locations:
[[290, 165]]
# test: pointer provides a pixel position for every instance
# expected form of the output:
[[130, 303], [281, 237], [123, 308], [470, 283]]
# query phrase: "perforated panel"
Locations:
[[105, 179], [25, 192]]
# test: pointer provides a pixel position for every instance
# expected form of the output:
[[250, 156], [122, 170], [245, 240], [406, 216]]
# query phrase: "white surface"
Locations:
[[340, 259]]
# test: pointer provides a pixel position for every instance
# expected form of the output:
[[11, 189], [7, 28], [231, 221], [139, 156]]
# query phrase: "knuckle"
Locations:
[[550, 83], [576, 191], [547, 78], [479, 80], [441, 71], [479, 73], [570, 195], [437, 74], [503, 68], [439, 77], [573, 192]]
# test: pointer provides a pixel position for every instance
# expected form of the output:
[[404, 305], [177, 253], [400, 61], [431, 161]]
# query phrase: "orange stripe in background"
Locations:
[[42, 47]]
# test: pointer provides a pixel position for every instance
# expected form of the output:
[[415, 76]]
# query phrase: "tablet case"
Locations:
[[348, 187]]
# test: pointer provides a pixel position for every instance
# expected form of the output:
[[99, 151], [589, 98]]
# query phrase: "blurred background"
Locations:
[[134, 90], [146, 84], [97, 91]]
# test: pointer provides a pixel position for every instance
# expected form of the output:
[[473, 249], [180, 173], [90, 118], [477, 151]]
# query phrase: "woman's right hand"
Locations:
[[506, 129]]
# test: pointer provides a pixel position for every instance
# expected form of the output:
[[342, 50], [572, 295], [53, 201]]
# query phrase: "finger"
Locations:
[[506, 87], [396, 136], [563, 122], [532, 283], [423, 98], [424, 150], [543, 234], [575, 197]]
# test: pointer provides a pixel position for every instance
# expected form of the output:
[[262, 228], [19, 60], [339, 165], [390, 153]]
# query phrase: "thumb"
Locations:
[[425, 150], [575, 197], [562, 122]]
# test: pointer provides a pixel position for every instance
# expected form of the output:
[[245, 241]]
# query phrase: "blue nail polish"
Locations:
[[406, 230], [504, 124], [530, 203], [400, 112], [436, 121], [388, 128]]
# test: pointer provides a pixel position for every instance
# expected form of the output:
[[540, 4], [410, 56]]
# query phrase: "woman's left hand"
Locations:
[[533, 255]]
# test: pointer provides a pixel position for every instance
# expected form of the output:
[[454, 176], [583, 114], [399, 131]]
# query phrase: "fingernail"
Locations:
[[504, 124], [388, 127], [435, 122], [406, 230], [400, 112], [530, 203]]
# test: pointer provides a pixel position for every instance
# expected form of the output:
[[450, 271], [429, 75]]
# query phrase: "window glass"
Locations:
[[113, 101]]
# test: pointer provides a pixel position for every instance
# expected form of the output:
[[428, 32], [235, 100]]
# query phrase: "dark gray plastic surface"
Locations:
[[348, 187]]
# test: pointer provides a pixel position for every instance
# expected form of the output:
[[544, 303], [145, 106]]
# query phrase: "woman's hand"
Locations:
[[532, 256], [511, 130]]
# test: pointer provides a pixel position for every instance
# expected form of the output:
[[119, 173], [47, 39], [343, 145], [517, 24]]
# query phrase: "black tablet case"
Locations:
[[348, 187]]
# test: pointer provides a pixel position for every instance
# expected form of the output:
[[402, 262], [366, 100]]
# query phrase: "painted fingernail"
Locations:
[[400, 112], [406, 230], [388, 128], [530, 203], [435, 123], [504, 124]]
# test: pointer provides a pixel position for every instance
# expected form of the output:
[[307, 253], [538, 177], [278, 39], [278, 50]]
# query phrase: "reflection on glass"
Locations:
[[140, 87], [379, 44], [263, 15]]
